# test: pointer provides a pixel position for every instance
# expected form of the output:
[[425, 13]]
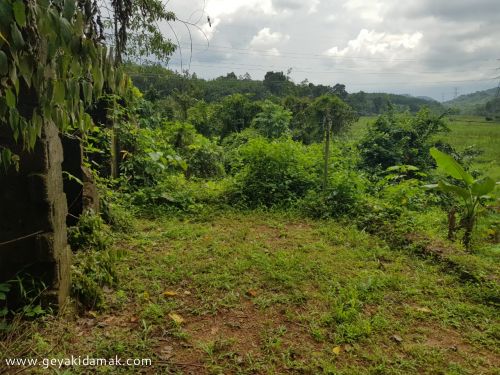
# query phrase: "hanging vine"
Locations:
[[55, 61], [53, 65]]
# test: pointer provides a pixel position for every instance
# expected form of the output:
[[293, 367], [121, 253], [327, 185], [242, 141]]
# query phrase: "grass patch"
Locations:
[[270, 294]]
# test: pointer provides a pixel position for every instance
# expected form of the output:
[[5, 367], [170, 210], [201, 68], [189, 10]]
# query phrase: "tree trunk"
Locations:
[[468, 225]]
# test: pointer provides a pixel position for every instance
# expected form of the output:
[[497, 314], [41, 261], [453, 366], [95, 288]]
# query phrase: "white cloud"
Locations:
[[218, 8], [376, 43], [368, 10], [266, 38], [313, 6]]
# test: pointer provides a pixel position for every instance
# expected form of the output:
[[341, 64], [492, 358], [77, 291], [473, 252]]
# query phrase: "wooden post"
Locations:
[[327, 127]]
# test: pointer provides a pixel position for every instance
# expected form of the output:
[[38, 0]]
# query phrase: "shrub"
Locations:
[[273, 121], [342, 197], [275, 173], [89, 233], [91, 271], [205, 159], [93, 264], [400, 139], [147, 155]]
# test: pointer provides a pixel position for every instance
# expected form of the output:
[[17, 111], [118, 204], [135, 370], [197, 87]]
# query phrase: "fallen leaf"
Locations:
[[176, 318], [133, 319], [169, 293], [423, 309], [252, 293], [397, 338], [336, 350]]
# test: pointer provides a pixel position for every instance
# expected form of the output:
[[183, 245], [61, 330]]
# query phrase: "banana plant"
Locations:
[[471, 191]]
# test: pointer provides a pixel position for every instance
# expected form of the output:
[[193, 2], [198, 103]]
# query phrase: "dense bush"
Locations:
[[342, 197], [273, 121], [275, 173], [147, 155], [400, 139]]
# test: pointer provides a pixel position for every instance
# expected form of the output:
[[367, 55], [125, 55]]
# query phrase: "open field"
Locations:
[[466, 131], [271, 294]]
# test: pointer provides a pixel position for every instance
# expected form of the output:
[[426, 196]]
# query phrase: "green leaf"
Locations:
[[59, 92], [483, 186], [4, 287], [87, 92], [66, 31], [4, 64], [26, 69], [19, 12], [14, 123], [17, 37], [451, 166], [457, 190], [10, 98], [69, 9], [5, 13]]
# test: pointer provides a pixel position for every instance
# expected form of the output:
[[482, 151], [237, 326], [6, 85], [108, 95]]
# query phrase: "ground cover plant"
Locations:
[[274, 293]]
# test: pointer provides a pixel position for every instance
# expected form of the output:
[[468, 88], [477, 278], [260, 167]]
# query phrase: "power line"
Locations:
[[309, 55], [153, 75], [341, 70]]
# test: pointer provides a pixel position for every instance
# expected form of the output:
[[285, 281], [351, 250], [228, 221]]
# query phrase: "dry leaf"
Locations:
[[423, 309], [252, 293], [397, 338], [176, 318], [336, 350], [169, 293]]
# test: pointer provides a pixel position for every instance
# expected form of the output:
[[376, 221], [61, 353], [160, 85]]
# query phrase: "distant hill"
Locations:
[[377, 103], [428, 98], [159, 83], [471, 103]]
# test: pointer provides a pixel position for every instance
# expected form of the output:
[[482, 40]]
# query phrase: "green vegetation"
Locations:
[[251, 227], [482, 103], [276, 293], [474, 194]]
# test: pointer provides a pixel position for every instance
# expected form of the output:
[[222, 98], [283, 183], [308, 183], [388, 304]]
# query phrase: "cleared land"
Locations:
[[264, 293]]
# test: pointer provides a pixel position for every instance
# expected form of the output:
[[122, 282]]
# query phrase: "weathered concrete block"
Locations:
[[33, 212]]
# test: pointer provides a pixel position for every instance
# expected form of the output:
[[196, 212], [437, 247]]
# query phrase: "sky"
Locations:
[[436, 48]]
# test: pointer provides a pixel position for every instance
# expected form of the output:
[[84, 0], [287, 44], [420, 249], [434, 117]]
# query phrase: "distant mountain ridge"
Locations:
[[469, 103]]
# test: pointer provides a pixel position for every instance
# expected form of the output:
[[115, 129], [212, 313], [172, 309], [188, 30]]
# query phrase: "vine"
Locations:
[[53, 66]]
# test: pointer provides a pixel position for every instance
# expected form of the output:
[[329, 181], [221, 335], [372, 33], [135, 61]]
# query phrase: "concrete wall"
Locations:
[[33, 204]]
